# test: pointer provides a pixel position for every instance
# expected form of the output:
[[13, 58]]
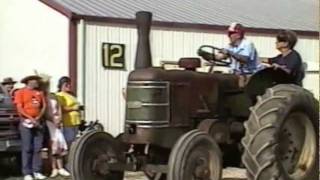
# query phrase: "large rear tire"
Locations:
[[281, 140], [195, 156], [91, 154]]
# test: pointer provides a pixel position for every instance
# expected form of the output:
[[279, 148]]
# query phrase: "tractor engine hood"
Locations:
[[174, 96]]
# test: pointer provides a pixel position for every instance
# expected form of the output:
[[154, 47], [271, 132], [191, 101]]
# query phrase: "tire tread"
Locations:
[[281, 95]]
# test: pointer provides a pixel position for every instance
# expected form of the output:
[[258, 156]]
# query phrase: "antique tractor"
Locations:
[[188, 125]]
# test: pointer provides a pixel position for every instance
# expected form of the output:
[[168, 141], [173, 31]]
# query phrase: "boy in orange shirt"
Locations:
[[31, 106]]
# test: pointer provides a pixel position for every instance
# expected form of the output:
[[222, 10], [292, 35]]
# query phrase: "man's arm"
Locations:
[[43, 109], [23, 113], [241, 58], [220, 56], [244, 55]]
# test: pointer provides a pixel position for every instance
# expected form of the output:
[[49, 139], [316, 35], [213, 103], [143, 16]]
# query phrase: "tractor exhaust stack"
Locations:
[[143, 54]]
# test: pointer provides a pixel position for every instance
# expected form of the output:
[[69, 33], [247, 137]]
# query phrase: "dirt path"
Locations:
[[228, 174]]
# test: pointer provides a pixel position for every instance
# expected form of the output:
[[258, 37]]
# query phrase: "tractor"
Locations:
[[189, 125]]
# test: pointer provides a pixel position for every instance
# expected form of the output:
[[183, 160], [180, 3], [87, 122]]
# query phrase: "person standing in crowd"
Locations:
[[70, 110], [31, 106], [58, 145], [289, 59], [8, 84], [240, 49]]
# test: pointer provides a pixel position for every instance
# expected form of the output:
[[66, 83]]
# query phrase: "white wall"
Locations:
[[33, 36], [102, 87]]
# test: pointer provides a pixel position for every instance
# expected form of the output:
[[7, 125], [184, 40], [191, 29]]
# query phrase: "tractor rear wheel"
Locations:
[[281, 140], [195, 156], [92, 154]]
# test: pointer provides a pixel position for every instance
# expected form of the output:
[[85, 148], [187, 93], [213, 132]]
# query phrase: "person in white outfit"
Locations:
[[59, 146]]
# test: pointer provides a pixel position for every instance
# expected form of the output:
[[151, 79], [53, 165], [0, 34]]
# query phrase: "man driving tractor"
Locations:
[[240, 49], [246, 58]]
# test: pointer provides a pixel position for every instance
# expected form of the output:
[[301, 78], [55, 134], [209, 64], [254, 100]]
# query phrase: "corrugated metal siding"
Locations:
[[271, 14], [311, 82], [103, 88]]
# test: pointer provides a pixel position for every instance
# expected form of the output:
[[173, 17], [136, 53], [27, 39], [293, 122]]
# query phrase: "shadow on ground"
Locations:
[[10, 170]]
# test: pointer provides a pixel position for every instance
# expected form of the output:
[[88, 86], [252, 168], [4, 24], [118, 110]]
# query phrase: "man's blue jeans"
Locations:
[[32, 143]]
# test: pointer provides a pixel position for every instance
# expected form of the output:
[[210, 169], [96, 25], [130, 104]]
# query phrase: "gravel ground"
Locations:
[[228, 174], [8, 171]]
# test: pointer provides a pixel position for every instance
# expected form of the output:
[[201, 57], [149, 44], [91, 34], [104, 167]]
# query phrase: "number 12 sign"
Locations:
[[113, 56]]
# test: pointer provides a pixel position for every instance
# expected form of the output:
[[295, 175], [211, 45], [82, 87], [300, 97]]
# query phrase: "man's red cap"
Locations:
[[236, 28]]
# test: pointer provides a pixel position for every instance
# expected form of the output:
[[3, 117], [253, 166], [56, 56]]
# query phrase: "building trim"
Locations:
[[59, 8], [192, 26], [73, 63], [72, 41], [71, 15]]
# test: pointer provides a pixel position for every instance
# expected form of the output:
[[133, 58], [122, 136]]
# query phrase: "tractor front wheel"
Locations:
[[195, 156], [92, 154]]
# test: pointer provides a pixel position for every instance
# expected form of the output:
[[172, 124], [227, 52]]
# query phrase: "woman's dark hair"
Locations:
[[288, 36], [63, 80]]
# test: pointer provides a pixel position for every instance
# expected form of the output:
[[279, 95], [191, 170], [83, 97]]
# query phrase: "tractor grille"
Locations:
[[148, 103]]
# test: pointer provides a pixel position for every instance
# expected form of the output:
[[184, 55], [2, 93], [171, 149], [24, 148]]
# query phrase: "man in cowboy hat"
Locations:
[[31, 107], [8, 84]]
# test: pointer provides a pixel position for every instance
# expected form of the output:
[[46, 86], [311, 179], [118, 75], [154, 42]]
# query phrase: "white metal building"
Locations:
[[65, 37]]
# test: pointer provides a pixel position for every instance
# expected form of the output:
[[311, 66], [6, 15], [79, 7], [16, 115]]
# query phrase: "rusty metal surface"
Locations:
[[193, 94], [219, 130], [165, 137], [143, 56]]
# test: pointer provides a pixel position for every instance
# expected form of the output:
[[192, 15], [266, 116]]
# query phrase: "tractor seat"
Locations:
[[189, 63]]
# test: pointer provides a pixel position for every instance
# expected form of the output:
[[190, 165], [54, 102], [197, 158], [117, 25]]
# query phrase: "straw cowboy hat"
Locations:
[[28, 78], [8, 80], [45, 81], [45, 78]]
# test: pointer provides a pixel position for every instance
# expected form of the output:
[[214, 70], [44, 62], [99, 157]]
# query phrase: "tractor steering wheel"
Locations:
[[210, 56]]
